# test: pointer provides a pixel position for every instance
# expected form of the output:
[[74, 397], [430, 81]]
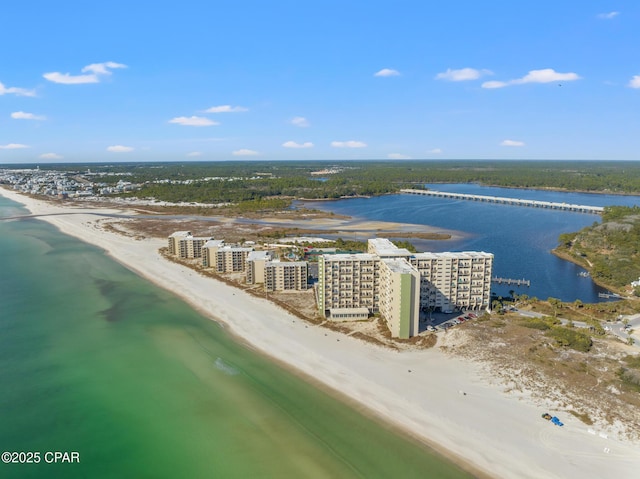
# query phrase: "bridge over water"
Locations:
[[596, 210]]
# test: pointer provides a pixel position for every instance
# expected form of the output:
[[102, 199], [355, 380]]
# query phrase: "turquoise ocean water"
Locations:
[[97, 360]]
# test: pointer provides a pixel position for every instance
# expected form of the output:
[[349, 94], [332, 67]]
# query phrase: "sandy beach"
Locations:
[[491, 431]]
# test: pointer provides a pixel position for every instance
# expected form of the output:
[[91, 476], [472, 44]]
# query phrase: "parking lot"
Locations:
[[442, 321]]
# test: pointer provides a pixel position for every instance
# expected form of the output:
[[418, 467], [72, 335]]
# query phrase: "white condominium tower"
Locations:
[[399, 284]]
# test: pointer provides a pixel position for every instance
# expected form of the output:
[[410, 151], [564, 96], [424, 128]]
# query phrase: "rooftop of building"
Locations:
[[235, 248], [198, 238], [213, 243], [454, 255], [259, 255], [180, 234], [350, 257], [398, 265], [384, 248]]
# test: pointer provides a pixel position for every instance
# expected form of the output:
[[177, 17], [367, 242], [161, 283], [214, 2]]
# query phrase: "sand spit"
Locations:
[[443, 400]]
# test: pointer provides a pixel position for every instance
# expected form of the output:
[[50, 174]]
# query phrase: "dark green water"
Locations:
[[96, 360]]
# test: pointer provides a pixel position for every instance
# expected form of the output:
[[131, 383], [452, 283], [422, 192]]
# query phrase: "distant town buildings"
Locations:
[[63, 184]]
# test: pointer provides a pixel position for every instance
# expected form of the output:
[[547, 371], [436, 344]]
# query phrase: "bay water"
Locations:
[[96, 360], [521, 238]]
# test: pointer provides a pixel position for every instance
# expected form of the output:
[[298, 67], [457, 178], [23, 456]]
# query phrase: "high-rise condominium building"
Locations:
[[256, 262], [399, 284], [285, 276], [225, 258], [185, 245]]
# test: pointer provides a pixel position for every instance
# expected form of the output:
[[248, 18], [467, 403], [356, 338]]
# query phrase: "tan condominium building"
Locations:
[[210, 253], [399, 284], [454, 280], [285, 276], [225, 258], [347, 281], [185, 245], [256, 262]]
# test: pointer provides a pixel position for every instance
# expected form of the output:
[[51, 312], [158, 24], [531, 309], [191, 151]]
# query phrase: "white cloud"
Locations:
[[512, 143], [119, 149], [546, 75], [13, 146], [226, 109], [435, 151], [194, 154], [21, 115], [68, 79], [300, 121], [15, 91], [348, 144], [101, 68], [193, 121], [95, 69], [245, 152], [50, 156], [635, 82], [494, 84], [462, 74], [387, 72], [398, 156], [608, 16], [293, 144]]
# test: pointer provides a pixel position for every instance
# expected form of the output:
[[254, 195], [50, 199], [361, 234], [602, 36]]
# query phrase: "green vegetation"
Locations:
[[629, 373], [235, 181], [564, 336], [570, 338], [347, 245], [542, 324], [262, 204], [611, 249], [406, 245]]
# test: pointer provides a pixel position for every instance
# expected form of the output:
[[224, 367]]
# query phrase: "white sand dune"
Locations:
[[495, 432]]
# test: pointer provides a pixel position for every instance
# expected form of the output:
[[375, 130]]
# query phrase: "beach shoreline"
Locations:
[[486, 431]]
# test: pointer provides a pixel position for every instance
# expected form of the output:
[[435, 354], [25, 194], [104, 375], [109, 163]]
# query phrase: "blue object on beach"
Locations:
[[556, 421]]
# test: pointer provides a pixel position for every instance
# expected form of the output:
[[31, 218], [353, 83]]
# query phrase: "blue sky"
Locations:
[[277, 80]]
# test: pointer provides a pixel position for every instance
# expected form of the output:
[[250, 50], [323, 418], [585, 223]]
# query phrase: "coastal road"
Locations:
[[616, 329]]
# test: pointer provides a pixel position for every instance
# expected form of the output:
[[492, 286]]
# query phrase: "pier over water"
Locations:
[[596, 210]]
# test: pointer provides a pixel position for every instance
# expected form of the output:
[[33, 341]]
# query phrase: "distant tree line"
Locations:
[[376, 177]]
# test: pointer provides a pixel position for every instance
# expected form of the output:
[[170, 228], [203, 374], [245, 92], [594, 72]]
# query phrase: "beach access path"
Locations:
[[451, 404]]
